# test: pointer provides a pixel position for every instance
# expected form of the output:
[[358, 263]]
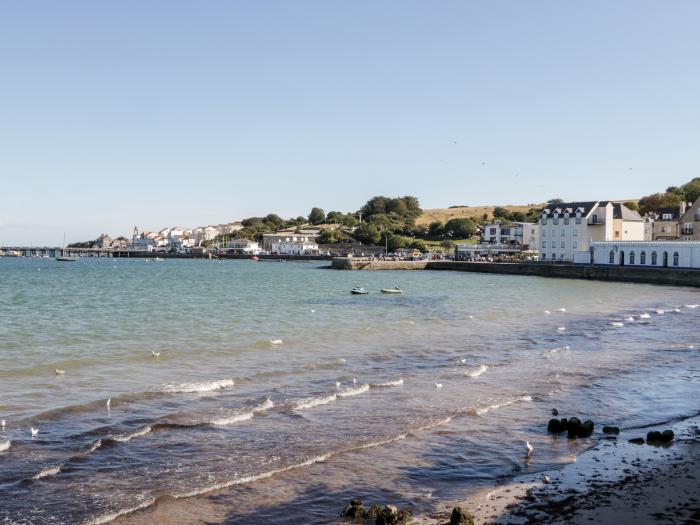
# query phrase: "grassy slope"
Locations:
[[476, 212]]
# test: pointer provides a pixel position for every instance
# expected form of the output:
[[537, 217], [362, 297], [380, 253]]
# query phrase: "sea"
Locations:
[[243, 392]]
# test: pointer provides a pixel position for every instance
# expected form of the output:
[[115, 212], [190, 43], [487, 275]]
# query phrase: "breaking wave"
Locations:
[[476, 372], [387, 384], [5, 445], [125, 438], [51, 471], [192, 388], [244, 416], [483, 411]]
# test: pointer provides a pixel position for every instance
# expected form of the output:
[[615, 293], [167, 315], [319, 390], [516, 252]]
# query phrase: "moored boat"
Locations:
[[395, 290], [358, 290]]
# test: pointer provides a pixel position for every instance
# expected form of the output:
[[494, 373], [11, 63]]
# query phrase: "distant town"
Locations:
[[661, 230]]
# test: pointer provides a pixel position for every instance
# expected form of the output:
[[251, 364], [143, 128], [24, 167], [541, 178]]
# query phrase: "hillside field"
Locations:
[[462, 212]]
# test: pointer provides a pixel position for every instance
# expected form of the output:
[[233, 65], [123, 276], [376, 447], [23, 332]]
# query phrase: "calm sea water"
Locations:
[[241, 419]]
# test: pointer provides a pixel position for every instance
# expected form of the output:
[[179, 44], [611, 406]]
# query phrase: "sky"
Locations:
[[116, 114]]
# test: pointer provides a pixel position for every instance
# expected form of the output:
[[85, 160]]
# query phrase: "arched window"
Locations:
[[612, 257], [631, 257], [566, 218], [643, 258], [653, 258], [578, 217], [555, 218], [544, 219], [675, 258]]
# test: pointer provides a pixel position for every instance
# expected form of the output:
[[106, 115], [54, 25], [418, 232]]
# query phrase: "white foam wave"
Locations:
[[51, 471], [315, 401], [208, 386], [644, 316], [629, 319], [97, 444], [5, 445], [245, 416], [660, 312], [106, 518], [353, 391], [476, 372], [617, 324], [495, 406], [125, 438], [553, 351], [276, 342], [386, 384], [692, 306]]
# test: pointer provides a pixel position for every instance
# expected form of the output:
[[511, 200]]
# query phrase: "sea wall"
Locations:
[[351, 263], [675, 277]]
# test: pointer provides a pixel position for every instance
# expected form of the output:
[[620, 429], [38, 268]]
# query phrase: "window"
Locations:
[[631, 257], [554, 244], [595, 219], [554, 256], [563, 232], [575, 244], [653, 258], [575, 232], [543, 220], [544, 256], [544, 244], [643, 258], [544, 233], [675, 258], [566, 218], [563, 244], [562, 256], [578, 217], [612, 257], [666, 217], [687, 228], [555, 218]]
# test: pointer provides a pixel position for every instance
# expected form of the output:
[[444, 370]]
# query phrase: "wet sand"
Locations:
[[616, 482]]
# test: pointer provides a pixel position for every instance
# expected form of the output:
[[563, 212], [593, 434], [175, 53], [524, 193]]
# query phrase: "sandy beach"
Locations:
[[615, 482]]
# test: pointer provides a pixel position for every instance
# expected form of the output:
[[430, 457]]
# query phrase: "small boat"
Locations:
[[395, 290], [63, 257], [66, 259], [159, 259], [255, 258], [358, 290]]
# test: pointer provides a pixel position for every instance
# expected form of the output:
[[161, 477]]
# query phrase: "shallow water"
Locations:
[[240, 419]]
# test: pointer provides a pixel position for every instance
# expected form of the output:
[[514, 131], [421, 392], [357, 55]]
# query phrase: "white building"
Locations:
[[569, 227], [294, 248], [241, 246], [271, 240], [660, 254], [523, 234], [470, 252]]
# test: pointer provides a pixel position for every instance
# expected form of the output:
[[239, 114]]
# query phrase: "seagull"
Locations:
[[438, 386], [337, 384], [561, 328], [547, 312], [313, 311], [563, 310], [35, 431], [354, 380], [59, 372], [545, 479], [155, 354], [529, 449], [463, 360], [109, 402]]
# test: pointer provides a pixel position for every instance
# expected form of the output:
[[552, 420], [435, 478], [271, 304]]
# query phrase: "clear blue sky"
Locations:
[[167, 112]]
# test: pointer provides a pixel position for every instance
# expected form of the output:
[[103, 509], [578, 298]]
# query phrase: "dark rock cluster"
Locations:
[[386, 515], [572, 426]]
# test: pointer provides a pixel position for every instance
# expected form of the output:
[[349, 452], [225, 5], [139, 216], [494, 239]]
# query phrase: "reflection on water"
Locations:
[[277, 394]]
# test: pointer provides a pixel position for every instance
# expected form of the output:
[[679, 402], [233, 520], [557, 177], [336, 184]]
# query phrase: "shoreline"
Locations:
[[613, 482]]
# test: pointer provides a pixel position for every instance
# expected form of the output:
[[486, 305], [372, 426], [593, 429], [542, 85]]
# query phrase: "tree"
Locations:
[[691, 190], [329, 236], [460, 228], [436, 230], [632, 205], [317, 216], [659, 200], [368, 233], [395, 242], [518, 216], [500, 213], [555, 201], [420, 246]]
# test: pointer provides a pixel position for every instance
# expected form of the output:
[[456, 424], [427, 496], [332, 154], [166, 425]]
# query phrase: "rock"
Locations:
[[389, 515], [461, 517], [611, 430], [354, 510], [404, 516], [555, 426], [654, 437], [555, 412], [637, 441], [666, 436], [586, 429], [373, 512]]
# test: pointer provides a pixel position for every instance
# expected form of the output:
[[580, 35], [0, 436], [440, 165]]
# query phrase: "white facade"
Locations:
[[271, 240], [242, 246], [660, 254], [568, 228], [522, 233], [294, 248]]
